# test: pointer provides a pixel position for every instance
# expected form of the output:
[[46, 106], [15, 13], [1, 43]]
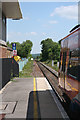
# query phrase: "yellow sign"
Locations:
[[17, 58]]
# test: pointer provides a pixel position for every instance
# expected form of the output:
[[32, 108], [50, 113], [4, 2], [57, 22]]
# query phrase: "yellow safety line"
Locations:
[[35, 101], [34, 84], [70, 85]]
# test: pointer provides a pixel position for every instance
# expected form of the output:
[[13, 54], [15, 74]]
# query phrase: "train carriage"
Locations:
[[69, 67]]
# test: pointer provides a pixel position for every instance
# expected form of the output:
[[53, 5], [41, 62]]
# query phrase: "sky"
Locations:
[[42, 20]]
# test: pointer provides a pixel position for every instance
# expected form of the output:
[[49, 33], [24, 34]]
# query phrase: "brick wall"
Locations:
[[0, 52], [9, 54], [3, 51]]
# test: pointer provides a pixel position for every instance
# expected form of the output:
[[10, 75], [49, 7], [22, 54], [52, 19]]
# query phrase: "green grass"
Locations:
[[13, 80], [27, 70], [49, 63]]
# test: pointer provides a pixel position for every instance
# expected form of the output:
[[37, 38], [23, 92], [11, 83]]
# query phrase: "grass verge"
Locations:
[[27, 70], [49, 63]]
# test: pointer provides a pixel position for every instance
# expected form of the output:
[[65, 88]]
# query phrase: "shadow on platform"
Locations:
[[46, 106]]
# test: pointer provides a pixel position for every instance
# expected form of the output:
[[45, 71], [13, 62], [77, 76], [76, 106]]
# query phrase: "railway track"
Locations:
[[52, 78]]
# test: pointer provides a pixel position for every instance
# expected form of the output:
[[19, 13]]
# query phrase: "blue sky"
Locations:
[[42, 20]]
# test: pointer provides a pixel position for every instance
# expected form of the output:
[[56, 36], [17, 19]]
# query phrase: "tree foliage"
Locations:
[[50, 50], [23, 49]]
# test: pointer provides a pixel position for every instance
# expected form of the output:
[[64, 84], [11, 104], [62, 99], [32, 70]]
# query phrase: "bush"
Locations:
[[55, 61]]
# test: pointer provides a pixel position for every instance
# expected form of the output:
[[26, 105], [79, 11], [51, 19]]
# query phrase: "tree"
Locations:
[[46, 45], [50, 50], [23, 49], [56, 51], [8, 44], [26, 48]]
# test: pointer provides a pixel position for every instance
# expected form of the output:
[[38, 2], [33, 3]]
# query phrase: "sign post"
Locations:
[[14, 46], [14, 49], [14, 52], [52, 63]]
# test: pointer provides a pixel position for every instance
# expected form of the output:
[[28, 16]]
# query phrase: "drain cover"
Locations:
[[7, 107]]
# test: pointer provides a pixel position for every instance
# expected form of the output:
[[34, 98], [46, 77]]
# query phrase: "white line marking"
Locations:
[[1, 91], [60, 107]]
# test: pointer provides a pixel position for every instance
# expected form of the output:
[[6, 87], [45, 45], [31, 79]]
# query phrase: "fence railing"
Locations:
[[22, 63], [8, 68]]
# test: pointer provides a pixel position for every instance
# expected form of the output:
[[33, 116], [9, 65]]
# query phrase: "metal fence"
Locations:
[[22, 63], [8, 68]]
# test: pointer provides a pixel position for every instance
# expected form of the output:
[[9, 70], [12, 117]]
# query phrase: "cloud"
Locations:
[[15, 36], [53, 22], [69, 12], [10, 34], [33, 33], [26, 18], [39, 20], [43, 33]]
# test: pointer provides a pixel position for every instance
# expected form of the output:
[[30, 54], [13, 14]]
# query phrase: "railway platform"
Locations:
[[26, 98]]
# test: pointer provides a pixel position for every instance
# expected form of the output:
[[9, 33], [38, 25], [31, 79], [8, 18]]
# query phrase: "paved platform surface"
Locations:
[[30, 98]]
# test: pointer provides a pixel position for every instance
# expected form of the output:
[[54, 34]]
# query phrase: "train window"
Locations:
[[73, 40], [74, 68], [75, 52]]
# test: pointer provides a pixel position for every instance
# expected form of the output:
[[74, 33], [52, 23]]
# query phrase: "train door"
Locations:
[[64, 66], [62, 69]]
